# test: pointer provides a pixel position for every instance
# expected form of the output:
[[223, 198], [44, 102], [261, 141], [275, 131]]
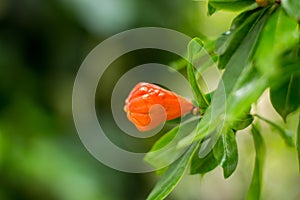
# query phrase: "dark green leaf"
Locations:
[[285, 134], [229, 41], [203, 165], [242, 121], [226, 152], [285, 92], [286, 98], [254, 190], [238, 23], [292, 7], [159, 157], [289, 62], [194, 46], [298, 142], [218, 149], [173, 175], [211, 9], [232, 5], [242, 55]]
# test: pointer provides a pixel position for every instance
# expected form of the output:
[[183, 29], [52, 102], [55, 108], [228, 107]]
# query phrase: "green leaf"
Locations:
[[218, 150], [279, 35], [247, 90], [285, 93], [194, 46], [289, 62], [215, 114], [242, 21], [254, 190], [292, 7], [286, 98], [298, 142], [159, 157], [229, 41], [242, 121], [226, 152], [173, 175], [210, 9], [203, 165], [244, 85], [243, 54], [231, 5], [286, 135], [208, 49]]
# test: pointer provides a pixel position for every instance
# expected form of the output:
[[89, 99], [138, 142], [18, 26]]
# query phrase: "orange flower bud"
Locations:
[[149, 105]]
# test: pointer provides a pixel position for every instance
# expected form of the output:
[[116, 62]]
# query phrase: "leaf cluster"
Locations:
[[260, 51]]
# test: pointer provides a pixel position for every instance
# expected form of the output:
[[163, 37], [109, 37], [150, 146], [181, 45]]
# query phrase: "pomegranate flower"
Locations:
[[149, 105]]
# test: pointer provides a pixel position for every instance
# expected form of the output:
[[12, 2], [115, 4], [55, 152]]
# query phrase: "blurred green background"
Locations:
[[42, 45]]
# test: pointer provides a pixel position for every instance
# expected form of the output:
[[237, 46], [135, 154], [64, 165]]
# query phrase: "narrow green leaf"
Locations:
[[231, 5], [254, 191], [173, 175], [203, 165], [286, 135], [157, 157], [292, 7], [244, 85], [242, 21], [218, 150], [229, 41], [226, 152], [298, 142], [194, 46], [243, 55], [286, 98]]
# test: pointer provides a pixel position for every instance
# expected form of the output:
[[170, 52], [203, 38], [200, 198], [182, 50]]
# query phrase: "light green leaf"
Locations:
[[157, 157], [194, 46], [173, 175], [254, 190], [208, 49], [247, 90], [292, 7]]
